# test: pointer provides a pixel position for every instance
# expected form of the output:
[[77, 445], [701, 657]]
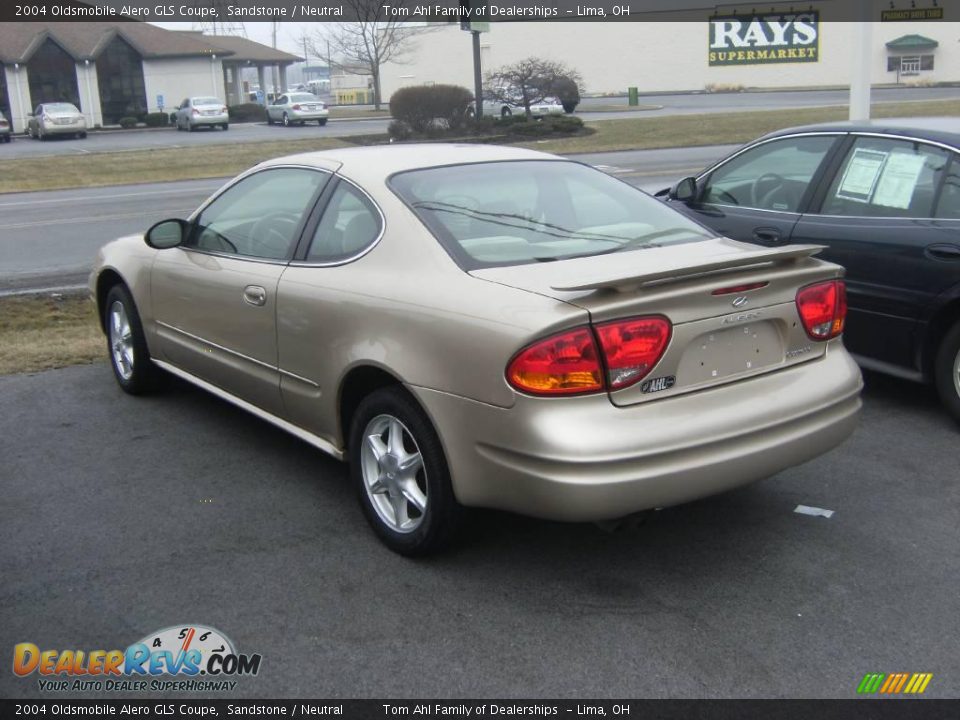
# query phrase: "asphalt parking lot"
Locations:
[[655, 105], [121, 516]]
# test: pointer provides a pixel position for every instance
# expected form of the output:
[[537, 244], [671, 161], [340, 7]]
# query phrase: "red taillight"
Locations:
[[196, 112], [569, 363], [295, 107], [632, 347], [823, 309], [564, 364], [224, 110]]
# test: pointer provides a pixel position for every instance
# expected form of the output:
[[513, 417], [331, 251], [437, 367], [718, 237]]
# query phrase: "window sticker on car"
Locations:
[[860, 177], [898, 180]]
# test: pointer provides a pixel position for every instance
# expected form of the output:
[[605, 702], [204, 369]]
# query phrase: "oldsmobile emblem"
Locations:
[[740, 301]]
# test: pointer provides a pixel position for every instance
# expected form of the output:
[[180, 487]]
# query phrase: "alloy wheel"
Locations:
[[121, 340], [393, 474]]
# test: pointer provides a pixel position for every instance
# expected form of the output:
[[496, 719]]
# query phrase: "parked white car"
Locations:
[[296, 109], [506, 102], [56, 119], [202, 111]]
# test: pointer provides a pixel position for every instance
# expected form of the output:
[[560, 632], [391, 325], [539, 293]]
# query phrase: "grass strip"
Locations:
[[41, 332], [720, 128], [147, 166]]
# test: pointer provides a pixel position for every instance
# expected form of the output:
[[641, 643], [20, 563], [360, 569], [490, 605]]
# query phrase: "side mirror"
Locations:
[[166, 234], [684, 191]]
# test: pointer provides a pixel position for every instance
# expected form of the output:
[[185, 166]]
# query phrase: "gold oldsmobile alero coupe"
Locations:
[[490, 327]]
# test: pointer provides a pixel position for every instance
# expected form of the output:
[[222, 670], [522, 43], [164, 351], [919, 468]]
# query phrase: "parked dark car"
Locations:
[[884, 198]]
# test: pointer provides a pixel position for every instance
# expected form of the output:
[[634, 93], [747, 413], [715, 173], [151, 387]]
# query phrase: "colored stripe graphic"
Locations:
[[894, 683], [870, 683]]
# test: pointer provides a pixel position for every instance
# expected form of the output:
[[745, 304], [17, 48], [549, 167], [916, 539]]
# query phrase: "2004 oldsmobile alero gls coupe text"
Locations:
[[492, 327]]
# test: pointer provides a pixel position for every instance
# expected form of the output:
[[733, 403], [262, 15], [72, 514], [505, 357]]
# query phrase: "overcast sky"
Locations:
[[289, 34]]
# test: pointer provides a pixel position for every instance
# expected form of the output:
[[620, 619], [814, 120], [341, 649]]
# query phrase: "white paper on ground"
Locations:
[[815, 511]]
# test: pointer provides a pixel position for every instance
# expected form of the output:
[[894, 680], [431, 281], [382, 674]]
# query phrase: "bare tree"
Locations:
[[527, 82], [365, 44]]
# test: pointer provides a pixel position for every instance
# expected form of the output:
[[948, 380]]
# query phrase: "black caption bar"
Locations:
[[427, 10], [894, 709]]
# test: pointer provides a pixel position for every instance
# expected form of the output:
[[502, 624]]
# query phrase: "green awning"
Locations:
[[912, 42]]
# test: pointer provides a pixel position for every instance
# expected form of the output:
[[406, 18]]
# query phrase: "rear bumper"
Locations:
[[221, 119], [71, 129], [309, 115], [581, 459]]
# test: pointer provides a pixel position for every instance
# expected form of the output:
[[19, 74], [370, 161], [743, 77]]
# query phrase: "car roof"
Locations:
[[385, 160], [939, 129]]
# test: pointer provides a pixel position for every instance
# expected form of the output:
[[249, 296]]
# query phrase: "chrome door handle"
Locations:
[[254, 295]]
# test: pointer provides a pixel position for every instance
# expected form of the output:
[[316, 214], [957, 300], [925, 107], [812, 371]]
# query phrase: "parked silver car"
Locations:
[[488, 327], [297, 108], [197, 112], [49, 119]]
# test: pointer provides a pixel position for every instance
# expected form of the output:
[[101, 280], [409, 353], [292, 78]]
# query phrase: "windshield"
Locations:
[[511, 213], [61, 108], [207, 101]]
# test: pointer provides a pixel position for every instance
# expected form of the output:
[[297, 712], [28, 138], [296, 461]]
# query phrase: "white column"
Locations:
[[262, 79], [860, 67], [18, 116]]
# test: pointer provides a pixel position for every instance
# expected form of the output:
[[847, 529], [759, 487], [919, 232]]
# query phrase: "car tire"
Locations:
[[413, 515], [947, 371], [286, 120], [226, 126], [322, 122], [505, 112], [126, 344], [41, 136], [190, 126]]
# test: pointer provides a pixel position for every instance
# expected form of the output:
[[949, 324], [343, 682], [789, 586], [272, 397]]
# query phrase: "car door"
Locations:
[[757, 195], [317, 305], [214, 297], [877, 215]]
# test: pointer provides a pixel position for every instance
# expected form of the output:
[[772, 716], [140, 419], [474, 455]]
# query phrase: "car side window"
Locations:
[[771, 176], [948, 206], [38, 111], [259, 216], [349, 225], [883, 177]]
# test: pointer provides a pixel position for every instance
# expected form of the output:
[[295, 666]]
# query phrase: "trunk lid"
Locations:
[[720, 333]]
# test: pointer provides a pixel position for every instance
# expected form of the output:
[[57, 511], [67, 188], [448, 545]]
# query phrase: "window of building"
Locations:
[[4, 98], [909, 64], [52, 75], [120, 79]]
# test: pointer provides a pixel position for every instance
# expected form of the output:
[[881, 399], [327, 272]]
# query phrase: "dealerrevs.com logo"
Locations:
[[181, 657]]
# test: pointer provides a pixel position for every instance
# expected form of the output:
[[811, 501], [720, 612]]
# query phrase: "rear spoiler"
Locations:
[[685, 271]]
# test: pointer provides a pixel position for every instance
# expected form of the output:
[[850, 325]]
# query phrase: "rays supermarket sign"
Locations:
[[762, 39]]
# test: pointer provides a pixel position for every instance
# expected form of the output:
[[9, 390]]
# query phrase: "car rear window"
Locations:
[[517, 212], [207, 101], [61, 107], [304, 97]]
